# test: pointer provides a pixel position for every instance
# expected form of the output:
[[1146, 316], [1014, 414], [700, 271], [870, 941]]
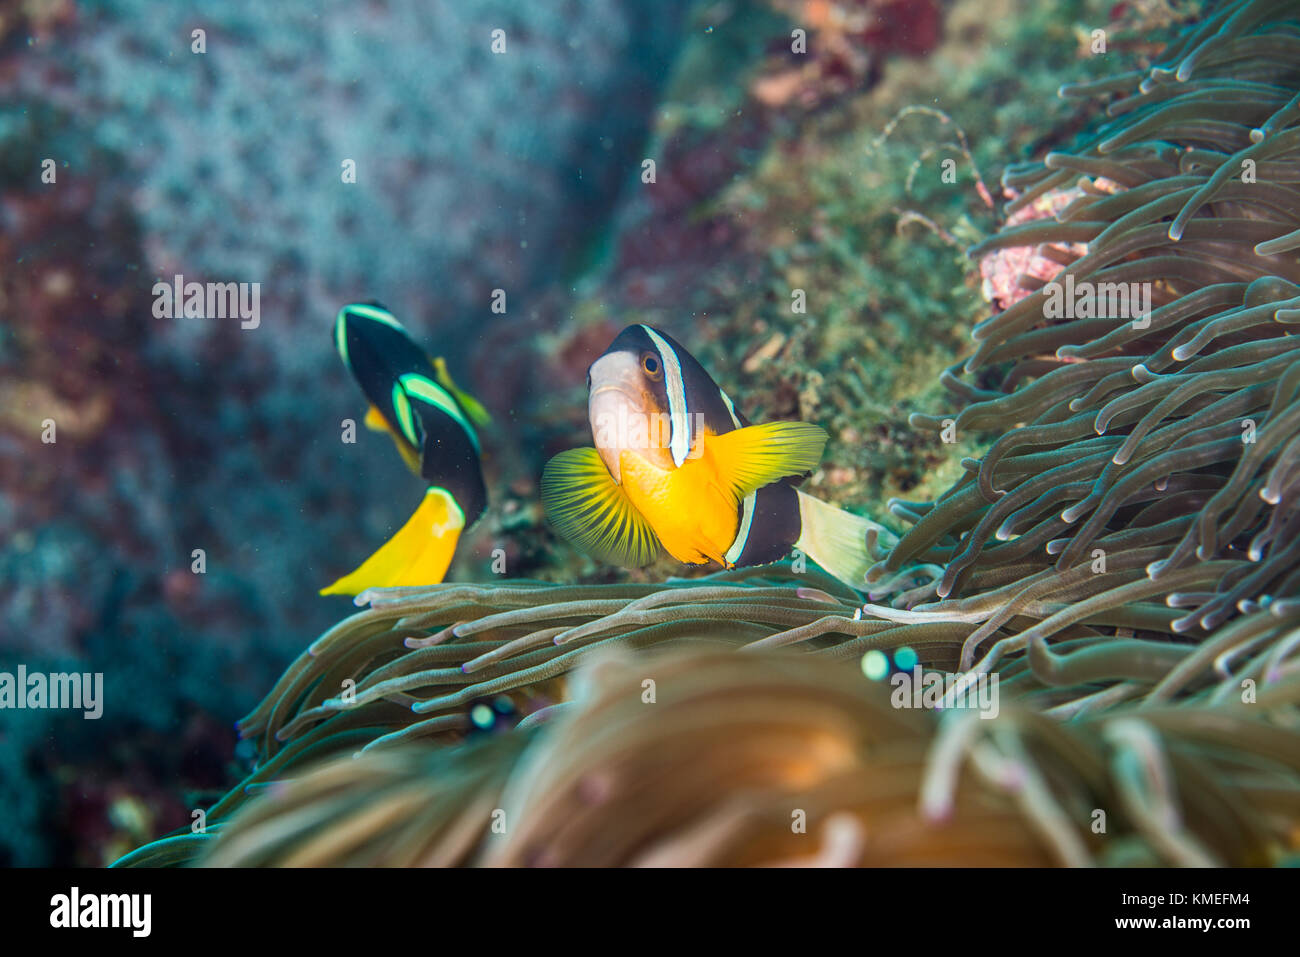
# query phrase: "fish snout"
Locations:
[[622, 414]]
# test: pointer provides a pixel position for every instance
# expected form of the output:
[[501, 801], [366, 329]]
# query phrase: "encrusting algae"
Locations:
[[1123, 559]]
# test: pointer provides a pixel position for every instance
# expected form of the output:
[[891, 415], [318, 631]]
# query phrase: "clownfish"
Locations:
[[432, 423], [677, 468]]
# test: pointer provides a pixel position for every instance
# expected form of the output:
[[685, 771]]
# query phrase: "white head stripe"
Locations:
[[438, 397], [731, 409], [742, 533], [341, 336], [680, 444], [376, 313]]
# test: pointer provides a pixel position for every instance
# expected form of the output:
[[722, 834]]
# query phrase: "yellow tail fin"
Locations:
[[418, 554], [837, 540]]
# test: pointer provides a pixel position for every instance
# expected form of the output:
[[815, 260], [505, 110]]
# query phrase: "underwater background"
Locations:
[[500, 204]]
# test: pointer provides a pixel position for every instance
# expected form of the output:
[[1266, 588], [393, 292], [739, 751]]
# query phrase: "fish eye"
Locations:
[[650, 364]]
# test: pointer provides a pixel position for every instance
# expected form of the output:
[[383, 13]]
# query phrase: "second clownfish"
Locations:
[[433, 424]]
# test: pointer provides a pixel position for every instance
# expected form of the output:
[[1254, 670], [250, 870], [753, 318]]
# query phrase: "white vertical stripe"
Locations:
[[742, 533], [746, 507], [731, 409], [341, 336], [680, 444], [375, 313]]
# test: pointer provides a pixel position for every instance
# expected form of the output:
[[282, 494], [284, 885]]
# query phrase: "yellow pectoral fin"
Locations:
[[376, 422], [473, 408], [409, 455], [747, 459], [592, 511], [418, 554]]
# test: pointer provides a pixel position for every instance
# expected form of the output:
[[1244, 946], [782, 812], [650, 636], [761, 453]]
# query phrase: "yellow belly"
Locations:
[[687, 507]]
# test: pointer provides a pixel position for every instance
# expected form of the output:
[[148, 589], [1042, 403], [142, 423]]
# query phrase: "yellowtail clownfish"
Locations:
[[432, 423], [677, 468]]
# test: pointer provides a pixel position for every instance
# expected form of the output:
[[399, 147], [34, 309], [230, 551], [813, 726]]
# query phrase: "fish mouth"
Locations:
[[622, 414]]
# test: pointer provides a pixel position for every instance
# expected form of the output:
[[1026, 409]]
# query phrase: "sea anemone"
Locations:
[[402, 785], [1148, 467], [705, 757], [413, 664]]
